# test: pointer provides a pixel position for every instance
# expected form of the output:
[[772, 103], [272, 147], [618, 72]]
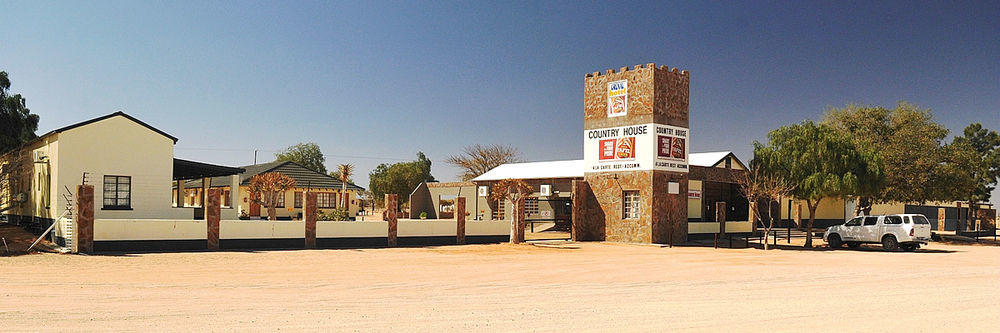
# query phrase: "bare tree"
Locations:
[[755, 186], [515, 191], [477, 159], [265, 188]]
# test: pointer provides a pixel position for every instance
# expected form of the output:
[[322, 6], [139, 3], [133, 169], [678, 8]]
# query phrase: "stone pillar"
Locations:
[[460, 220], [309, 215], [83, 218], [940, 218], [180, 193], [517, 222], [213, 216], [720, 216], [390, 218]]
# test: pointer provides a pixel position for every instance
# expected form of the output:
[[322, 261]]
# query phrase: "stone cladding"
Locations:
[[655, 95]]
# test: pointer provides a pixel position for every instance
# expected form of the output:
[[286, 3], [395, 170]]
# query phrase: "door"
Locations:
[[870, 230], [254, 206], [852, 229]]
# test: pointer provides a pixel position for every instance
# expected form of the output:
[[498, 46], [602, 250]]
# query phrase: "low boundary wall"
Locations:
[[173, 235]]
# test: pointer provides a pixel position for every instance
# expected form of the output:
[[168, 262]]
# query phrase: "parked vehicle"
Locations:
[[899, 231]]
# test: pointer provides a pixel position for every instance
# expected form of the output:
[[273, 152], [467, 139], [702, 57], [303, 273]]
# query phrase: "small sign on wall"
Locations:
[[546, 213], [618, 98], [484, 191], [673, 188], [694, 194]]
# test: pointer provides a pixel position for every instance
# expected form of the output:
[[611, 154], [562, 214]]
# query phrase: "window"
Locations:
[[226, 199], [531, 206], [630, 204], [326, 200], [854, 222], [920, 219], [279, 201], [297, 200], [498, 213], [117, 192], [870, 220], [893, 220]]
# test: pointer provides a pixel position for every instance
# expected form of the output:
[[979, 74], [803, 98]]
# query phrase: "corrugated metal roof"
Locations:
[[574, 168], [535, 170], [707, 159]]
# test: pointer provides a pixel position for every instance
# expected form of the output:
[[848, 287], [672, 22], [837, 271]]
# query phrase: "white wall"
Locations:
[[121, 147], [341, 229], [129, 229], [241, 229]]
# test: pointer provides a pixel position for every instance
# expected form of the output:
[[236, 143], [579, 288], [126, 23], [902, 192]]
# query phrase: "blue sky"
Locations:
[[374, 82]]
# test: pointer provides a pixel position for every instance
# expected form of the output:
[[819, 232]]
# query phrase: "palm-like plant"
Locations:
[[346, 171]]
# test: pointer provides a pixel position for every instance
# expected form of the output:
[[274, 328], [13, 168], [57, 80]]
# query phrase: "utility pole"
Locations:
[[255, 157]]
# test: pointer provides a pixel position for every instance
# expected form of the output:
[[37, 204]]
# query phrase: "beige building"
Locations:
[[329, 191], [130, 164]]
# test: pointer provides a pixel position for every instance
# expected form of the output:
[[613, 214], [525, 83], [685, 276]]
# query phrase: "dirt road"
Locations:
[[598, 287]]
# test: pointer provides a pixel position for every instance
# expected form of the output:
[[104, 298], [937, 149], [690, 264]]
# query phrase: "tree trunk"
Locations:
[[812, 218], [272, 213], [864, 207]]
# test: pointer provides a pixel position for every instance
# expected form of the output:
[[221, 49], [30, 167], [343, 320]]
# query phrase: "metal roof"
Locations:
[[574, 168], [304, 177], [185, 169]]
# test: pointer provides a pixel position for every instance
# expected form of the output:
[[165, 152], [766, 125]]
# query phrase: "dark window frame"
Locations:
[[326, 200], [117, 200], [297, 199]]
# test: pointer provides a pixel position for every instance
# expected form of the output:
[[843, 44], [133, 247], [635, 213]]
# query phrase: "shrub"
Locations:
[[338, 214]]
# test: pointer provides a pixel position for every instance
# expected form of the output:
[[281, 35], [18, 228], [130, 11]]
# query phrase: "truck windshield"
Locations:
[[920, 219]]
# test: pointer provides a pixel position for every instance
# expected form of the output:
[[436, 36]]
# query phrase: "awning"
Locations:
[[184, 169]]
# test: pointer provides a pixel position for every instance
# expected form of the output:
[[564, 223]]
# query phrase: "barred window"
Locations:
[[326, 200], [297, 201], [117, 192], [279, 200], [531, 206], [498, 213], [630, 204]]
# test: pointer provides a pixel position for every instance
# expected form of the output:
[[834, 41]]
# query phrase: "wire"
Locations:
[[274, 151]]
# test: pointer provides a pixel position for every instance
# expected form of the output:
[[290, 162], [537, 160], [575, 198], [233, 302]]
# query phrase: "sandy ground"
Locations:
[[595, 287]]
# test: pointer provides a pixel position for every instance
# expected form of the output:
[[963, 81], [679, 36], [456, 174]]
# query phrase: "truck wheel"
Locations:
[[910, 247], [834, 241], [890, 243], [853, 245]]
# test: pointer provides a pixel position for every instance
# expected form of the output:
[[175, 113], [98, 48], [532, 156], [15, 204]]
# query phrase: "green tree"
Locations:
[[307, 154], [820, 162], [910, 145], [399, 178], [980, 148], [17, 124]]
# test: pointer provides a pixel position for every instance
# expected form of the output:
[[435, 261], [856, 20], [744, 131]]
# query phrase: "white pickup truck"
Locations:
[[905, 231]]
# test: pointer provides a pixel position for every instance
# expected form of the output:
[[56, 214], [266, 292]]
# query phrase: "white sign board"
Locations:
[[636, 147], [618, 98]]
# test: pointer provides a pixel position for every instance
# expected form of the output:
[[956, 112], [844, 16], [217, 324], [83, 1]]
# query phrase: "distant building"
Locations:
[[329, 191]]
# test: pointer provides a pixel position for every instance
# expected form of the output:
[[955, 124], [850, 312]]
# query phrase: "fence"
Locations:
[[213, 233]]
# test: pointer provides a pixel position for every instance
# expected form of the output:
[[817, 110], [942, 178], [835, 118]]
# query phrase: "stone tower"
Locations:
[[636, 156]]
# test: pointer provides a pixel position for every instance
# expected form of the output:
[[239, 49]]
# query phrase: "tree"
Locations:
[[910, 144], [477, 159], [515, 191], [345, 171], [265, 188], [17, 124], [306, 154], [399, 178], [977, 154], [757, 186], [820, 162]]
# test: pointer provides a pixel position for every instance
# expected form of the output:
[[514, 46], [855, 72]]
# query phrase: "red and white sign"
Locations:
[[636, 147], [694, 194]]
